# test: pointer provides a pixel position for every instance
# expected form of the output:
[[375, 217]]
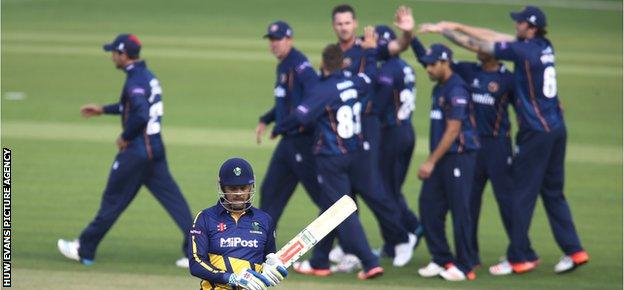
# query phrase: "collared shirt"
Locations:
[[221, 245], [491, 92], [141, 110], [537, 102], [451, 101], [295, 77]]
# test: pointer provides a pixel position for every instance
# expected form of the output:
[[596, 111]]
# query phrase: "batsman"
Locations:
[[230, 240]]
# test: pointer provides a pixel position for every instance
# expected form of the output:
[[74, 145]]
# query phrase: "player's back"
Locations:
[[339, 127], [535, 76], [400, 75], [142, 83]]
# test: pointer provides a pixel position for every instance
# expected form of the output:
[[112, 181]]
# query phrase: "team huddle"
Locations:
[[347, 129]]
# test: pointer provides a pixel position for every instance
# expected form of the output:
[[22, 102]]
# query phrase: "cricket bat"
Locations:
[[317, 230]]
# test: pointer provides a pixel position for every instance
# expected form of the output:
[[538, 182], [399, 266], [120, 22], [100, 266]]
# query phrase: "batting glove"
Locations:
[[249, 279], [273, 269]]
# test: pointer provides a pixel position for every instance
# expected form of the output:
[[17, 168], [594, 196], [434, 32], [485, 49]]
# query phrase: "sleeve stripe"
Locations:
[[199, 260]]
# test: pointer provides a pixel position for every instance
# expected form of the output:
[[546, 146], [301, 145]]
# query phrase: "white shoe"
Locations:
[[453, 274], [348, 264], [565, 264], [403, 252], [69, 249], [336, 255], [182, 262], [502, 268], [431, 270]]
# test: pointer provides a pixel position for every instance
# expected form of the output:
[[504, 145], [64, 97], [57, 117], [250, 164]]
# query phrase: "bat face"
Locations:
[[317, 230]]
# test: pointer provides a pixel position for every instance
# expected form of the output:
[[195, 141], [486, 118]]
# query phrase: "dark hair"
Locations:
[[342, 9], [133, 56], [539, 32], [332, 57]]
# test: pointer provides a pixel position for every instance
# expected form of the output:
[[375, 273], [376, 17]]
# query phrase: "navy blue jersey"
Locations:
[[295, 78], [335, 106], [355, 62], [221, 245], [395, 92], [491, 94], [537, 102], [141, 110], [451, 101]]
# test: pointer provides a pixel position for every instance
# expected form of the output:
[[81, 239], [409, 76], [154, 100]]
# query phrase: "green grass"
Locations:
[[217, 76]]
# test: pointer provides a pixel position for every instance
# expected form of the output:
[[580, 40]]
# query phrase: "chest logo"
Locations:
[[346, 62], [255, 228], [221, 227], [493, 87]]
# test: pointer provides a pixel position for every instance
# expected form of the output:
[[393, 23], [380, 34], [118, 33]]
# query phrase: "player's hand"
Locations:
[[429, 28], [404, 20], [91, 110], [259, 132], [121, 143], [249, 279], [370, 38], [425, 170], [273, 269]]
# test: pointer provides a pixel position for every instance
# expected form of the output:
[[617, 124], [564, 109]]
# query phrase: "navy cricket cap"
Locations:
[[530, 14], [385, 33], [236, 171], [278, 30], [125, 43], [437, 52]]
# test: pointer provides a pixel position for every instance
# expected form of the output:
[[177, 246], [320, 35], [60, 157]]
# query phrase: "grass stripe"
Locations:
[[255, 56], [239, 138]]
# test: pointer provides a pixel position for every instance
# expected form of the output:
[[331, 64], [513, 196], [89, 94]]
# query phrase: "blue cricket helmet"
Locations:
[[236, 172]]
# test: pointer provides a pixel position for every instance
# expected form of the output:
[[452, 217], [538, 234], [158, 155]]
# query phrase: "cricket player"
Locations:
[[230, 240], [449, 170], [293, 160], [141, 159], [395, 95], [344, 23], [335, 107], [491, 88], [538, 167]]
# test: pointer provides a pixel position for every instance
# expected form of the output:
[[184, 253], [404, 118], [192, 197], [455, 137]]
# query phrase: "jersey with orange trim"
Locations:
[[221, 245], [537, 101], [141, 110], [492, 92]]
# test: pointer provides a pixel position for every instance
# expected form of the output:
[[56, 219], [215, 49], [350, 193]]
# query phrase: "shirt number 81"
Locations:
[[348, 119]]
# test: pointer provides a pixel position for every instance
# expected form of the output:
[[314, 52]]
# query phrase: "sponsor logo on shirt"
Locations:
[[459, 101], [344, 85], [235, 242], [195, 232], [484, 99], [221, 227], [436, 115]]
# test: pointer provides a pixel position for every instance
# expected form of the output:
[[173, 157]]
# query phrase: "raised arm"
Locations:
[[469, 42], [480, 33], [404, 20]]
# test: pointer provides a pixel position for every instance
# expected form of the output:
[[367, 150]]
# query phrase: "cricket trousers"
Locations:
[[337, 177], [129, 172], [293, 162], [449, 188], [538, 169], [494, 164], [395, 157]]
